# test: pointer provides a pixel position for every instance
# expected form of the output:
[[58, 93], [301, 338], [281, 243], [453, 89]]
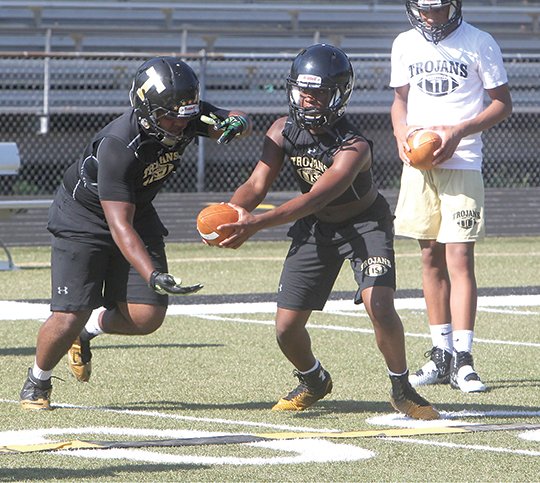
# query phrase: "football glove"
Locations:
[[231, 126], [164, 283]]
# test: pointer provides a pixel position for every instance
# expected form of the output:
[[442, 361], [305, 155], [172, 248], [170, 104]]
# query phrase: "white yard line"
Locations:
[[470, 447], [340, 328], [10, 310]]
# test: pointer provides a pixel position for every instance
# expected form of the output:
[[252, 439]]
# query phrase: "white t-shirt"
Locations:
[[447, 82]]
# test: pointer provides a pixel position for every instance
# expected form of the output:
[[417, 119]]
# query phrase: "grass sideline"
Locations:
[[255, 267], [214, 372]]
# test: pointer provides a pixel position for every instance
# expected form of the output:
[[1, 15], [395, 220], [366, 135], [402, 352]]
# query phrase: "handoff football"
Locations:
[[423, 144], [211, 217]]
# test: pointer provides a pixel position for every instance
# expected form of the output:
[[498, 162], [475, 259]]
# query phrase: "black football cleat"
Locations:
[[406, 400], [36, 394], [312, 387]]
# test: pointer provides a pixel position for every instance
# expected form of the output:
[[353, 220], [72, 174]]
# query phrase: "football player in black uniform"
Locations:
[[339, 216], [107, 247]]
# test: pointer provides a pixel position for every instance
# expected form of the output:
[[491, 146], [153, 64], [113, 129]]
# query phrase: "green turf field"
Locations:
[[214, 369]]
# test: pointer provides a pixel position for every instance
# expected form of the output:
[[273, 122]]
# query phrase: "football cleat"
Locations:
[[407, 401], [36, 394], [435, 371], [463, 376], [79, 359], [312, 387]]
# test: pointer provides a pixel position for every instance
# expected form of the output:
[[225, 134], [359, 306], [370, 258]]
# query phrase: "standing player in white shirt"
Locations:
[[441, 70]]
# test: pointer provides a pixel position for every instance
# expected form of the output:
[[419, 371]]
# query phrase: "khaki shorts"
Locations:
[[446, 205]]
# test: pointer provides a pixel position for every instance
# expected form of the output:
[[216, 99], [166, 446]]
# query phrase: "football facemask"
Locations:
[[161, 118], [434, 33], [316, 106]]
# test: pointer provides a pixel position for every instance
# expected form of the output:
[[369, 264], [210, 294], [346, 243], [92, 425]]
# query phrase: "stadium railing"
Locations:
[[57, 100], [235, 27]]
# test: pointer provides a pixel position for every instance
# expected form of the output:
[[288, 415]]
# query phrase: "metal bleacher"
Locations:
[[68, 65], [239, 26], [236, 28]]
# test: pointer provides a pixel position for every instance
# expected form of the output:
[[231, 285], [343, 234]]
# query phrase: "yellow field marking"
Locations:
[[369, 433], [251, 438], [34, 448]]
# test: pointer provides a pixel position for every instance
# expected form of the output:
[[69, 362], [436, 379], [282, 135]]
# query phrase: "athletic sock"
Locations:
[[92, 327], [396, 374], [441, 336], [41, 374], [463, 340], [314, 368]]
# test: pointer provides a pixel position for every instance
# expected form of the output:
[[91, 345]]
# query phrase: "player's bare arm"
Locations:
[[254, 190], [349, 160], [497, 110], [399, 121], [120, 216]]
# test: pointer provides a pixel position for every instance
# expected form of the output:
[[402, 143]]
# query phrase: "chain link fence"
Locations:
[[52, 104]]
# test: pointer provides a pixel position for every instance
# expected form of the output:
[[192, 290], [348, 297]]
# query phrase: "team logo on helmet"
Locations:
[[187, 111], [430, 3], [306, 80], [153, 81]]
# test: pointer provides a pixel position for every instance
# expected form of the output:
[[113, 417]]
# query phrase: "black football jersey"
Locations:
[[310, 155], [120, 163]]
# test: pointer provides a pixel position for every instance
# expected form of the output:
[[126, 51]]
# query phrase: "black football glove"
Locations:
[[164, 283], [231, 126]]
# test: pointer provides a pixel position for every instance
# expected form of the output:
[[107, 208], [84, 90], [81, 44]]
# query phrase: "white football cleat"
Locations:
[[435, 371], [463, 376]]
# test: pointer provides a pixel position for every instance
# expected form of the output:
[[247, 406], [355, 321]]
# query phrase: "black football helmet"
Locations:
[[434, 33], [164, 86], [320, 66]]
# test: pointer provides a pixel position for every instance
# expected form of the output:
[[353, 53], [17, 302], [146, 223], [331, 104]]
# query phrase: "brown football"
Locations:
[[211, 217], [423, 144]]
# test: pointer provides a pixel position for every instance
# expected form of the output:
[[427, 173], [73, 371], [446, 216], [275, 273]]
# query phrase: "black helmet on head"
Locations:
[[434, 33], [321, 67], [164, 86]]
